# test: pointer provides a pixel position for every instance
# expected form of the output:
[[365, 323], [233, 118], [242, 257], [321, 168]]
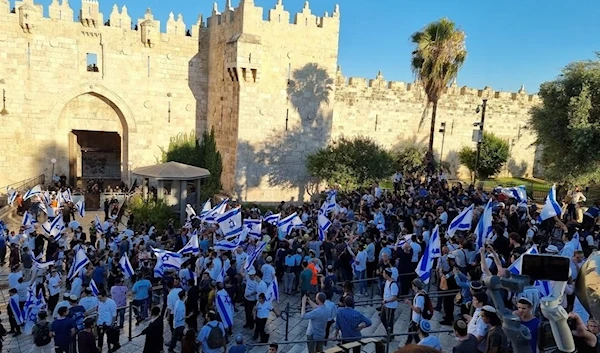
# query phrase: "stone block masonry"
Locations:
[[266, 81]]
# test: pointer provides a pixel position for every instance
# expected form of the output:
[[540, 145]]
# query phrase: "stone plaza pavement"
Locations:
[[276, 326]]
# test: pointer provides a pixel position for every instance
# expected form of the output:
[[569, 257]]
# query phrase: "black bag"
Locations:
[[112, 335], [427, 308], [215, 338], [42, 336]]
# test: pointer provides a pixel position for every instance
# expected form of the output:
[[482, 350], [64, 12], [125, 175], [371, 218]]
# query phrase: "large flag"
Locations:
[[226, 245], [543, 287], [254, 227], [125, 266], [484, 229], [43, 207], [46, 197], [462, 222], [166, 260], [329, 204], [432, 250], [273, 291], [57, 223], [212, 215], [36, 190], [225, 308], [254, 255], [230, 222], [33, 305], [98, 225], [12, 195], [272, 219], [190, 212], [66, 196], [40, 265], [290, 222], [80, 208], [518, 193], [192, 246], [79, 262], [551, 206], [27, 220], [324, 224], [16, 309], [205, 208]]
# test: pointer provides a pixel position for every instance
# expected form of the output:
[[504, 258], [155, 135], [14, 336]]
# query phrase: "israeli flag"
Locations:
[[12, 195], [192, 246], [272, 219], [43, 207], [125, 266], [29, 312], [36, 190], [518, 193], [66, 196], [551, 206], [432, 250], [16, 309], [230, 222], [168, 259], [226, 245], [41, 265], [403, 240], [79, 262], [27, 220], [81, 208], [484, 229], [254, 255], [516, 267], [273, 291], [225, 308], [254, 227], [324, 224], [329, 205], [98, 225], [290, 222], [462, 222], [212, 215], [94, 288], [205, 208], [46, 197]]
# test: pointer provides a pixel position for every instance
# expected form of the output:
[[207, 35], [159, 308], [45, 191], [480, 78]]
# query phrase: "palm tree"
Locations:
[[439, 54]]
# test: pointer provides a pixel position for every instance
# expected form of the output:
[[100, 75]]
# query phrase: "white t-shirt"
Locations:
[[418, 302], [444, 218], [476, 326], [390, 290], [416, 251]]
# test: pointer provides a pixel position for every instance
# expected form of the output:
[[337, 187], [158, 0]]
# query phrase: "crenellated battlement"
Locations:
[[381, 86]]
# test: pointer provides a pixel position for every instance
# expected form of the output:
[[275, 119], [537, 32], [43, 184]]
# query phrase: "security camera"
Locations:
[[477, 123], [477, 110]]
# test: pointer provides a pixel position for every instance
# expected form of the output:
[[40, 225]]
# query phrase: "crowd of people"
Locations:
[[341, 245]]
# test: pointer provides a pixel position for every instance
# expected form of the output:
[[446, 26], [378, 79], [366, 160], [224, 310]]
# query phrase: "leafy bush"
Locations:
[[494, 153], [411, 158], [350, 163], [153, 212]]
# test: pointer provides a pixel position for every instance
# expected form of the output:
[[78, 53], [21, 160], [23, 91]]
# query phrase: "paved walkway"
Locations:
[[276, 326]]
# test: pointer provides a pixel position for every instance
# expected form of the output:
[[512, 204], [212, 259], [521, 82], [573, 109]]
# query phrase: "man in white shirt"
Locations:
[[476, 326], [377, 192], [250, 297], [268, 271], [390, 299], [397, 180], [417, 305], [172, 298], [54, 283], [360, 269], [13, 276], [240, 258], [178, 320], [107, 315]]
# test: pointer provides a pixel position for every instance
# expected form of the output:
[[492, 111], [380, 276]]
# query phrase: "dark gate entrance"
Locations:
[[94, 155]]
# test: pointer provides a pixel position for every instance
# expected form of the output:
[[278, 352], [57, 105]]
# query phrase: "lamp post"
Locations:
[[443, 132], [479, 136], [53, 161], [129, 164]]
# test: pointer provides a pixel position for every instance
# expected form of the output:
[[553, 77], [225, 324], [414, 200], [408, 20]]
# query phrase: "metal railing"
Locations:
[[21, 185]]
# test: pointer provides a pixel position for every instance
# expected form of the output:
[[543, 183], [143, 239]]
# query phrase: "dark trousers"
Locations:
[[170, 320], [52, 301], [192, 321], [58, 349], [177, 336], [329, 324], [371, 267], [449, 308], [2, 255], [248, 308], [387, 317], [412, 327], [260, 330], [11, 320], [101, 331]]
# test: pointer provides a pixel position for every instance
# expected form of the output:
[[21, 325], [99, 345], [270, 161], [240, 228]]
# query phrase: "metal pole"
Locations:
[[442, 149], [130, 322], [287, 320], [480, 140], [372, 291]]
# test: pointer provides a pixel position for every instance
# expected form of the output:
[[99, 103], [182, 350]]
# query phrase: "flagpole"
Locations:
[[480, 138]]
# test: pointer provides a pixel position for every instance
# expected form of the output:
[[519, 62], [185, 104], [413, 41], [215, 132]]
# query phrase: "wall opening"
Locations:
[[95, 155], [92, 62]]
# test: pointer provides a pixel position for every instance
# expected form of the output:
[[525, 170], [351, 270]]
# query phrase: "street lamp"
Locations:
[[129, 164], [53, 161], [479, 135], [443, 132]]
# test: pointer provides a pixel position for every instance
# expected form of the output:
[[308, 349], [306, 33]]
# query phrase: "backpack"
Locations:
[[215, 337], [427, 312], [42, 337]]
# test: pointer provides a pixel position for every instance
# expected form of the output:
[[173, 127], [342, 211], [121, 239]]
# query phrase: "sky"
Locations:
[[510, 42]]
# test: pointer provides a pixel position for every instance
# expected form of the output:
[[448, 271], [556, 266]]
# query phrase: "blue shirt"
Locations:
[[290, 261], [179, 315], [62, 331], [203, 336], [238, 348], [141, 289], [318, 321], [203, 244], [98, 274], [347, 321], [77, 313], [298, 259]]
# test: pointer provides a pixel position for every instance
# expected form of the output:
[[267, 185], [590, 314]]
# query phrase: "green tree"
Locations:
[[438, 56], [185, 148], [350, 163], [494, 153], [156, 212], [567, 124], [410, 158]]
